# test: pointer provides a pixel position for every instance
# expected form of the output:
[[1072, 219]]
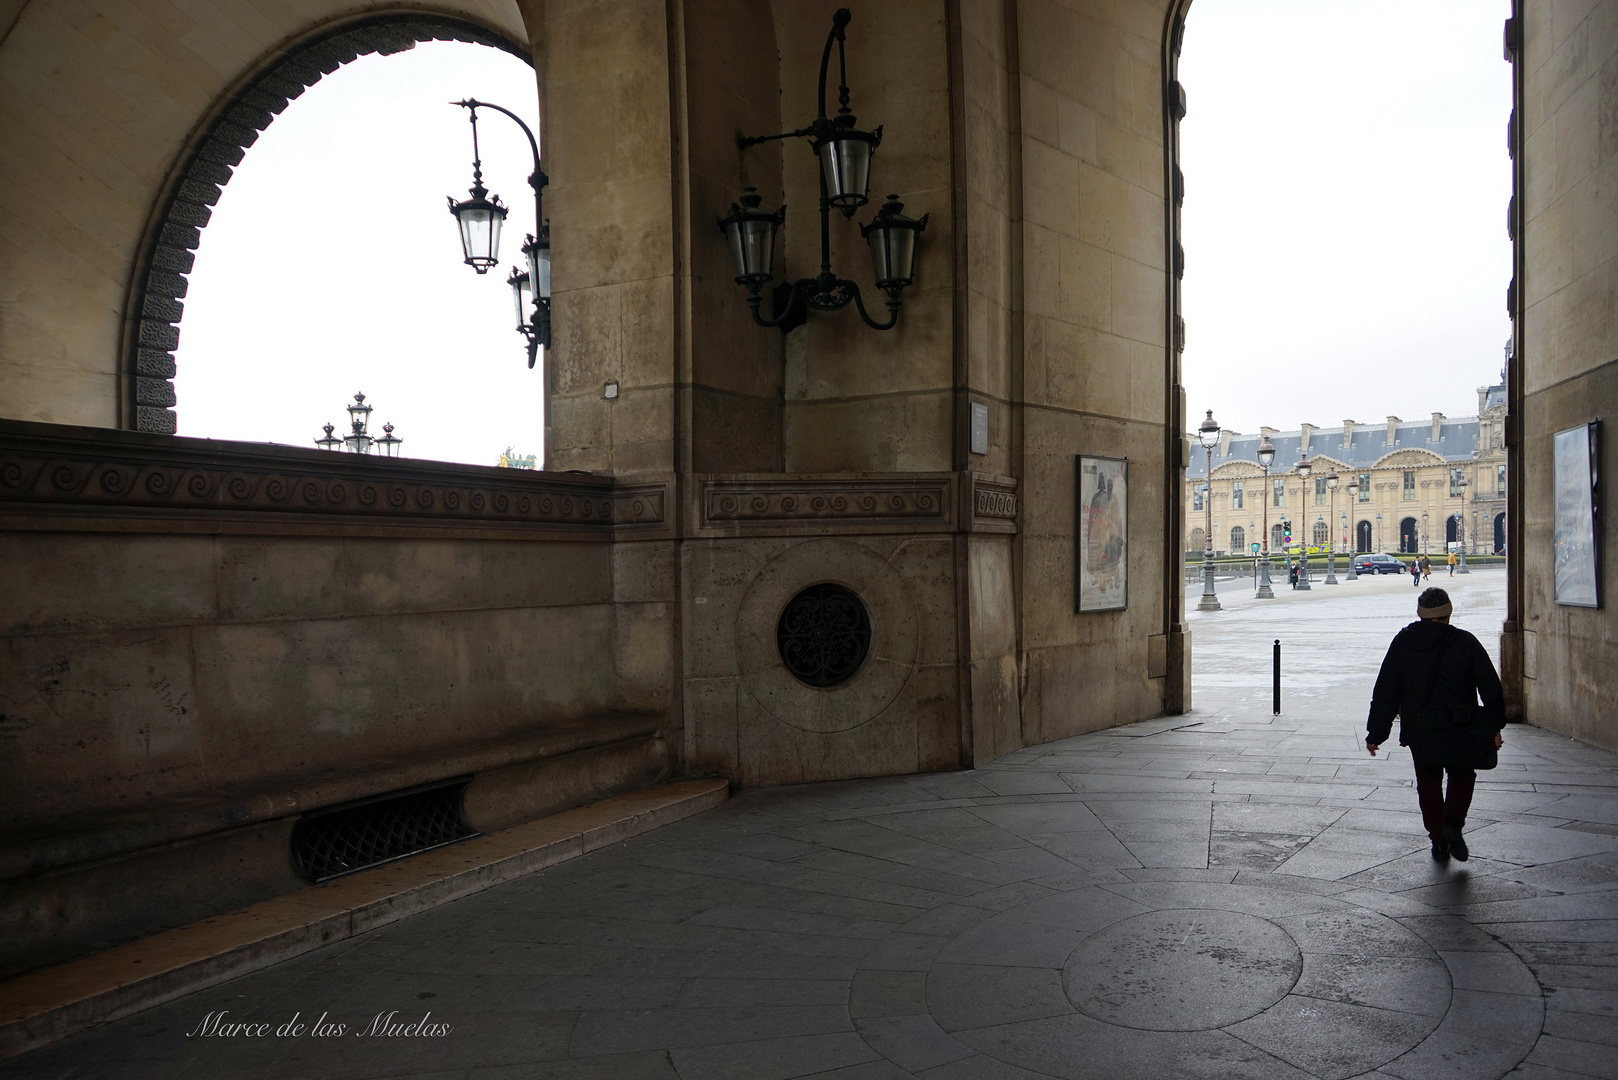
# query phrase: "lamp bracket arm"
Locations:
[[853, 289], [794, 298], [744, 141], [839, 21]]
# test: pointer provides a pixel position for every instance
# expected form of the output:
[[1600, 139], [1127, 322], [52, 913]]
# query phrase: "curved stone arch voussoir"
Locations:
[[206, 164]]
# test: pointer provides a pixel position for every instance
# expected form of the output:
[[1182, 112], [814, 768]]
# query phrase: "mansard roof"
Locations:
[[1457, 442]]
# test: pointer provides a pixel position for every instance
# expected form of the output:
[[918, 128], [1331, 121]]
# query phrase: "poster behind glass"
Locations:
[[1102, 534], [1577, 568]]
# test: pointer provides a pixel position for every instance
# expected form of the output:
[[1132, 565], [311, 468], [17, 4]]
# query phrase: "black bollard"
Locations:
[[1277, 682]]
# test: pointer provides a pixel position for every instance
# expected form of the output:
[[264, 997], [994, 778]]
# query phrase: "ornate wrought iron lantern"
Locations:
[[844, 152], [480, 221], [359, 440]]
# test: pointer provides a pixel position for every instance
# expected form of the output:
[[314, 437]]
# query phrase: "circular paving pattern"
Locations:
[[1193, 979], [1182, 970]]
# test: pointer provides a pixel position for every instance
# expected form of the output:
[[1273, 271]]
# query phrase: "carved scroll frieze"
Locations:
[[994, 503], [124, 473], [772, 502], [927, 502]]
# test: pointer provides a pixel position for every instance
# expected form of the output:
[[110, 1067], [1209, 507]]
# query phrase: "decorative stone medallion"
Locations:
[[824, 635]]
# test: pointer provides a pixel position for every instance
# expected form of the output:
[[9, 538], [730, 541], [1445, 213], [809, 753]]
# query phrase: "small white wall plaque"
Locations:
[[980, 428]]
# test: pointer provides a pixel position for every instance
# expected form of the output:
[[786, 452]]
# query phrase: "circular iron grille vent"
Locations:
[[823, 635]]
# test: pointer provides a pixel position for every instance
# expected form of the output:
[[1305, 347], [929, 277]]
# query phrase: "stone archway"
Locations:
[[207, 163], [1409, 538], [1499, 532], [1362, 537]]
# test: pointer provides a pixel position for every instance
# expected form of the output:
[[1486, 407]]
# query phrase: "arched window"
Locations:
[[1499, 532], [1362, 537], [1198, 540], [1322, 533], [1277, 537], [278, 335], [1238, 540]]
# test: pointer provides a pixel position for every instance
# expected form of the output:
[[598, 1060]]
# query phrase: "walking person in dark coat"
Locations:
[[1415, 573], [1432, 678]]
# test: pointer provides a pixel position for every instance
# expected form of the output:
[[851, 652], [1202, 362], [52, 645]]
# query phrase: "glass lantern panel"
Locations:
[[752, 247], [893, 255], [540, 266], [480, 234], [520, 298], [847, 167]]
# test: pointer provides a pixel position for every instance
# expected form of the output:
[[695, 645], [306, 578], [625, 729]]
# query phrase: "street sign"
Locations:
[[1255, 549]]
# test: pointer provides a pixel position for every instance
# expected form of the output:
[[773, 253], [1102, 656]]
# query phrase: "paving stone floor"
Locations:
[[1224, 894]]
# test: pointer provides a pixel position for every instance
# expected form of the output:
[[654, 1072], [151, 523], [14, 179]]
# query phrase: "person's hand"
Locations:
[[1499, 740], [1371, 746]]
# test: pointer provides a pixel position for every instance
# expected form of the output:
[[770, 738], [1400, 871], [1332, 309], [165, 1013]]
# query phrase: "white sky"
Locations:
[[1344, 227], [332, 265], [1345, 213]]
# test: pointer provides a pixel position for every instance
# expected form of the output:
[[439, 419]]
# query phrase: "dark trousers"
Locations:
[[1436, 806]]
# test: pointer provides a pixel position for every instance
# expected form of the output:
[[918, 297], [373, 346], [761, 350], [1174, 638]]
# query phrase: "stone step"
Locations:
[[46, 1005]]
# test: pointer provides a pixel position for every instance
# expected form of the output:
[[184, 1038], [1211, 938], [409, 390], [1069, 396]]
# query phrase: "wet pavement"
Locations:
[[1224, 894]]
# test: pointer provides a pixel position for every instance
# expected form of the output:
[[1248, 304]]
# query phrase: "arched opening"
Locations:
[[1362, 538], [1452, 526], [1499, 533], [316, 259], [1277, 537], [1322, 534], [1238, 540], [1197, 541], [1409, 538]]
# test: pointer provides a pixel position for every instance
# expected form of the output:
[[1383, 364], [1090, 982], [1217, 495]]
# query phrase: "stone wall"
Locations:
[[1568, 329], [1095, 356], [203, 640]]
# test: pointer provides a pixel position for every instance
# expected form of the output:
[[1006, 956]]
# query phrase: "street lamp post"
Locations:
[[1208, 436], [1304, 469], [1331, 507], [1460, 526], [1266, 458], [1424, 532], [1353, 499]]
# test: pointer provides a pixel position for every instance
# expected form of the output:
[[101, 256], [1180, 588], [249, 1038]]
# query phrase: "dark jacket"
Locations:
[[1458, 675]]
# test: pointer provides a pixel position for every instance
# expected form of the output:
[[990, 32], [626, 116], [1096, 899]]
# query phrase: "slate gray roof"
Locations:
[[1458, 441]]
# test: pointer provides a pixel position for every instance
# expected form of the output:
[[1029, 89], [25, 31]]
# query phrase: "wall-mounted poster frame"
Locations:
[[1575, 479], [1101, 534]]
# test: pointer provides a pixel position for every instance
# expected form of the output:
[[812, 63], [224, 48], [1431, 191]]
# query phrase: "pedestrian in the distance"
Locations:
[[1432, 678], [1415, 573], [1292, 572], [1426, 565], [1452, 562]]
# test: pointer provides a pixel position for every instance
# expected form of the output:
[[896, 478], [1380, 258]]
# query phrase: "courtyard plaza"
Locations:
[[1227, 893]]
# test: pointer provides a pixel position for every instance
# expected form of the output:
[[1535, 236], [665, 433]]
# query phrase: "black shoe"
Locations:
[[1456, 845], [1440, 851]]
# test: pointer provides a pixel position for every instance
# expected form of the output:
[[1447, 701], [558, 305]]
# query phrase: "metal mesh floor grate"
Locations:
[[329, 843]]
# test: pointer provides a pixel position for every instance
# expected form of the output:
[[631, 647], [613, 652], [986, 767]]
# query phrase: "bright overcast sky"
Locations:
[[1346, 255], [332, 265], [1345, 212]]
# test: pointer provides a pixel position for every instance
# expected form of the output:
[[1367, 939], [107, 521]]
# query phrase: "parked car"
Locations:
[[1380, 563]]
